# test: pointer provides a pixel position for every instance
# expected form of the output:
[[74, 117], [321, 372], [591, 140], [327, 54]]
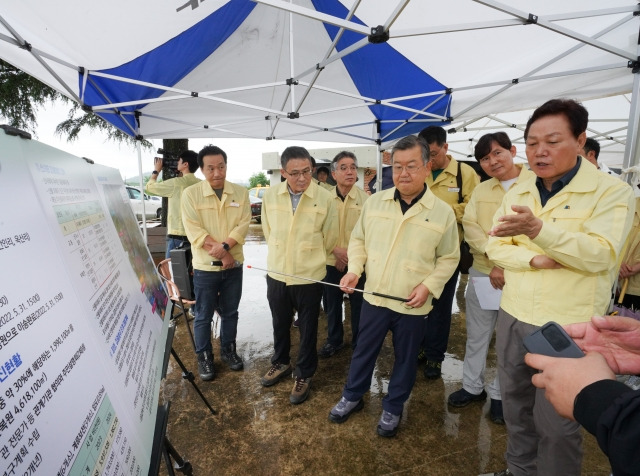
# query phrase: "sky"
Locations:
[[244, 155]]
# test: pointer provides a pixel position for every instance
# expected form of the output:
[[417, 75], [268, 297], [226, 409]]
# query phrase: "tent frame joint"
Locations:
[[194, 94], [293, 115], [86, 108], [532, 19], [634, 65], [292, 82], [378, 35]]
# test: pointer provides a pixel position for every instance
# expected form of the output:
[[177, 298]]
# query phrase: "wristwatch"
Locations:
[[155, 172], [225, 246]]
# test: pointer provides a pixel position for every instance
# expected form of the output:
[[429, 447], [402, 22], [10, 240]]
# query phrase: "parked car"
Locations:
[[256, 208], [258, 191], [157, 202], [153, 208]]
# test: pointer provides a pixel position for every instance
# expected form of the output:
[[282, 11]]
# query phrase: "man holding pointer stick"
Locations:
[[406, 241]]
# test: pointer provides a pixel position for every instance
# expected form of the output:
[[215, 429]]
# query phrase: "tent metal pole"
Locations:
[[545, 23], [141, 182], [633, 128], [316, 15]]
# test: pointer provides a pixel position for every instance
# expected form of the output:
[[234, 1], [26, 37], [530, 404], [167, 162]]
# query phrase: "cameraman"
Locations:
[[172, 189]]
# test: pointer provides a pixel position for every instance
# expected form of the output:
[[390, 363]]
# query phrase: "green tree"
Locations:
[[21, 95], [258, 179]]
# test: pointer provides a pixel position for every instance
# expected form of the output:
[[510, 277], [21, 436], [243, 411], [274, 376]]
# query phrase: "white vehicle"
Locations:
[[152, 205]]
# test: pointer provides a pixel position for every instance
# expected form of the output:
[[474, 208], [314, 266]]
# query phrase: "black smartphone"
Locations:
[[552, 340]]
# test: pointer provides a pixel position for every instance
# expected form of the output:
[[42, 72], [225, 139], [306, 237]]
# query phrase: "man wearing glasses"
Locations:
[[406, 241], [349, 200], [300, 225]]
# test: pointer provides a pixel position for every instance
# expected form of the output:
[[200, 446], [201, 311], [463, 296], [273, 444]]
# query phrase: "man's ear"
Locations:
[[582, 138]]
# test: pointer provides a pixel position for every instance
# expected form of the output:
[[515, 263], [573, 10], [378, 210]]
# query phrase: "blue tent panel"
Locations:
[[381, 72], [167, 64]]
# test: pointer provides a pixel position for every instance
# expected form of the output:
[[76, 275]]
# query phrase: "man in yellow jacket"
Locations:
[[300, 225], [349, 200], [452, 182], [406, 241], [216, 215], [494, 152], [172, 189], [558, 235]]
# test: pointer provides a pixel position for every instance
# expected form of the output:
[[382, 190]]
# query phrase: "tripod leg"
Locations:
[[182, 464], [186, 323], [187, 375]]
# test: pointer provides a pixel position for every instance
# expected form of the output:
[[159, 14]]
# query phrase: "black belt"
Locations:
[[178, 237]]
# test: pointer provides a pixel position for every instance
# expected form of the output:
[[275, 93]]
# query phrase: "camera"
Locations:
[[169, 163]]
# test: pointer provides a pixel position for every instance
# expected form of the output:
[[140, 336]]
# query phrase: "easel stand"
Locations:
[[161, 444], [188, 375]]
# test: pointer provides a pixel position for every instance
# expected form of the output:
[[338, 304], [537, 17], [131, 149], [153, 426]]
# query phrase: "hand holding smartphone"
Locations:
[[552, 340]]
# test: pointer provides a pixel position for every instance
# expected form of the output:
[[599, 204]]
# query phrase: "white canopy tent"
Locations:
[[359, 71]]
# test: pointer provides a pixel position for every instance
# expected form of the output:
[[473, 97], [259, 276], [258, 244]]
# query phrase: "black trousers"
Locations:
[[436, 336], [284, 301]]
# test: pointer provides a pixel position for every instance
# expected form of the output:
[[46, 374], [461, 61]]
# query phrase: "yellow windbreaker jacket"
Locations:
[[445, 187], [584, 229], [299, 244], [204, 214], [398, 251], [478, 217], [348, 214]]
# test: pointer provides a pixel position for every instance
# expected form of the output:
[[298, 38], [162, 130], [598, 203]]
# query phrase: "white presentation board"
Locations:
[[82, 333]]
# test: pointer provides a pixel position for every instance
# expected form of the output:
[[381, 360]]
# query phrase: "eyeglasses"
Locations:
[[300, 173], [410, 169], [345, 168]]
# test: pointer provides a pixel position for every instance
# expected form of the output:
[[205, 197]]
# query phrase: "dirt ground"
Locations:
[[257, 431]]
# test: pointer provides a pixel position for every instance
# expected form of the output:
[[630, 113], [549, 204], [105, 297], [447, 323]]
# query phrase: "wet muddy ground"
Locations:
[[258, 432]]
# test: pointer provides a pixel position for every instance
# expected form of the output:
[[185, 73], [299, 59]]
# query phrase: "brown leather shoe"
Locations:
[[301, 390], [276, 373]]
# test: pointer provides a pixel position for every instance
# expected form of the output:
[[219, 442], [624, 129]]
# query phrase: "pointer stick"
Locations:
[[395, 298]]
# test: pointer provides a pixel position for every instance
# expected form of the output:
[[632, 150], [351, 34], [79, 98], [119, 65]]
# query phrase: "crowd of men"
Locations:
[[551, 237]]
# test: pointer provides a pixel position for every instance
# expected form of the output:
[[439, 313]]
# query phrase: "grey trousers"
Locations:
[[480, 326], [539, 440]]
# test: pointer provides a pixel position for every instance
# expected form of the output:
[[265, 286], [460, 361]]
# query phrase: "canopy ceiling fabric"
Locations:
[[313, 69]]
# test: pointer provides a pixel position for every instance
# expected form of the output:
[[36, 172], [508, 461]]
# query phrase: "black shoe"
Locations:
[[231, 358], [329, 349], [343, 409], [205, 366], [432, 369], [462, 398], [495, 412]]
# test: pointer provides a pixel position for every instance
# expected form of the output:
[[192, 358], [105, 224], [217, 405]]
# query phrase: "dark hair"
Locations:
[[433, 134], [295, 152], [210, 150], [191, 158], [342, 155], [575, 113], [592, 145], [322, 168], [483, 147], [410, 142]]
